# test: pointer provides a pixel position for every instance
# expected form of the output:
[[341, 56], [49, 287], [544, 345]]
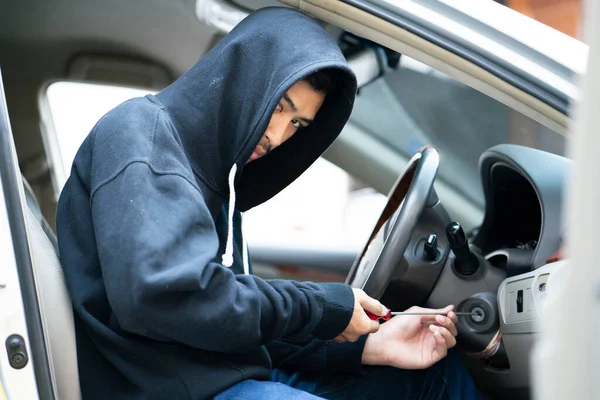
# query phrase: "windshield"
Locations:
[[417, 105]]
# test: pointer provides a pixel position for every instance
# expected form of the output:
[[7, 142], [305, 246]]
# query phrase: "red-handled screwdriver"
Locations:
[[390, 314]]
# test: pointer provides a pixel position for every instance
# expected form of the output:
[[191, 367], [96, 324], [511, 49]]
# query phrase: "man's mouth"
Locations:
[[257, 153], [262, 149]]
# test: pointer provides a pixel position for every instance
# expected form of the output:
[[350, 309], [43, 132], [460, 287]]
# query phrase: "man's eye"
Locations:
[[296, 124]]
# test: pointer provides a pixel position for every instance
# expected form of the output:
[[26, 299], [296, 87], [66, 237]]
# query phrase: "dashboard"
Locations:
[[508, 279], [523, 227], [517, 213], [524, 190]]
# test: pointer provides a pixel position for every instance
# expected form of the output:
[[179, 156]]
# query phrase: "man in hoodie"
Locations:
[[150, 240]]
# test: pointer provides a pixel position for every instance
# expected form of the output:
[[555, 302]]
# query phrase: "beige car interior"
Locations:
[[55, 305]]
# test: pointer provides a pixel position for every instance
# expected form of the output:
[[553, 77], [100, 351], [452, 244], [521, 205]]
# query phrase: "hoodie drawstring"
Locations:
[[227, 259]]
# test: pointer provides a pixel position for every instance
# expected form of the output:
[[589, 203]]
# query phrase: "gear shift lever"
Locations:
[[465, 263]]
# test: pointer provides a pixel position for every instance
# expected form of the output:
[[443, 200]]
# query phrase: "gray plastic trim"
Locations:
[[336, 261], [527, 321], [547, 174]]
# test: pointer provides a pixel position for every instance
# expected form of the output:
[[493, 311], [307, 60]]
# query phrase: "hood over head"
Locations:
[[222, 106]]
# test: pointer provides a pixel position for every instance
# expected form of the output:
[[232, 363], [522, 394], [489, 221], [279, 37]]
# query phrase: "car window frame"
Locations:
[[558, 99], [29, 322]]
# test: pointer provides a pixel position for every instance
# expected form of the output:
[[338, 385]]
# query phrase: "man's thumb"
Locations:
[[372, 305]]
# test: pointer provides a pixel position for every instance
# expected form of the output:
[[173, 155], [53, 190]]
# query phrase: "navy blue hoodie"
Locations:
[[149, 225]]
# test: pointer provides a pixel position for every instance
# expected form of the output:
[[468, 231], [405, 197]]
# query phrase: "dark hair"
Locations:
[[322, 80]]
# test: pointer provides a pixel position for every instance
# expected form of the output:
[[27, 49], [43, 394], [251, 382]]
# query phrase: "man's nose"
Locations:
[[276, 133]]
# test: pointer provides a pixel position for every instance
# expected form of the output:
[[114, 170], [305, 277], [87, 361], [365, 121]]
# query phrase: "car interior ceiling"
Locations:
[[42, 42]]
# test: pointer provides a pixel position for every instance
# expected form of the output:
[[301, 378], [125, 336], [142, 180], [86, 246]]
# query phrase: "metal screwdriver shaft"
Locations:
[[434, 313], [390, 314]]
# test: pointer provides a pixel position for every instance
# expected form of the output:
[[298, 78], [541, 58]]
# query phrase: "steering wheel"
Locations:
[[381, 257]]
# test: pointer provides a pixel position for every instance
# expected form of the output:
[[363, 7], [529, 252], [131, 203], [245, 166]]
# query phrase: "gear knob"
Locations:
[[465, 263]]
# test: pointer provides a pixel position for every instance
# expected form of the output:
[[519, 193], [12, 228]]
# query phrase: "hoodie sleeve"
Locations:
[[157, 244], [317, 355]]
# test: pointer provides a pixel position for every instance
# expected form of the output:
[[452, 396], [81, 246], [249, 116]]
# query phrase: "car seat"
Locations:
[[55, 306]]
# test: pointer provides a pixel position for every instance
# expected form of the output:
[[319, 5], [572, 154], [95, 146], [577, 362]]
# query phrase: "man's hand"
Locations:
[[361, 324], [412, 341]]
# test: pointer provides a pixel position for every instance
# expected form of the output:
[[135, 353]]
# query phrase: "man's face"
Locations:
[[296, 109]]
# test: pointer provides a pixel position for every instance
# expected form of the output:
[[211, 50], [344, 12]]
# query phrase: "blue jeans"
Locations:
[[446, 380]]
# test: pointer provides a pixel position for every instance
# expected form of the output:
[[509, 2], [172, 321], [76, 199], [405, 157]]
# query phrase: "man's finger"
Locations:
[[432, 319], [372, 305], [445, 310], [446, 323], [453, 316], [449, 340], [440, 344], [374, 326], [339, 339], [352, 338], [367, 325]]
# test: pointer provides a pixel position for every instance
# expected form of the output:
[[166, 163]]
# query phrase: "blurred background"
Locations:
[[562, 15]]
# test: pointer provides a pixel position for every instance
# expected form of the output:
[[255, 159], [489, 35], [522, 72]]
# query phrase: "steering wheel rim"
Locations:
[[381, 256]]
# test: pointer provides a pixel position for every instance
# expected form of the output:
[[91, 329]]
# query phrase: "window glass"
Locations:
[[74, 110], [324, 208], [416, 105]]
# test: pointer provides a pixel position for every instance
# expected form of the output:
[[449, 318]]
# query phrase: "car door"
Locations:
[[24, 367], [565, 362]]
